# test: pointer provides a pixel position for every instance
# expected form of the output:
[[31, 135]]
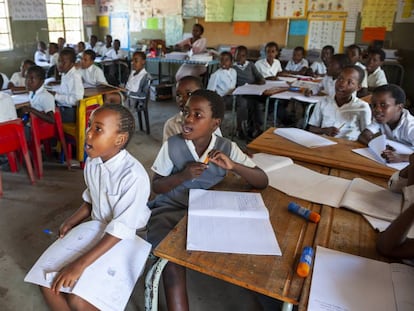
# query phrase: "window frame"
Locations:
[[8, 32]]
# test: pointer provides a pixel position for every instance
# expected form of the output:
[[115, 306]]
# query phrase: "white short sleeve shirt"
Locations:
[[292, 66], [42, 100], [7, 108], [377, 78], [222, 81], [268, 70]]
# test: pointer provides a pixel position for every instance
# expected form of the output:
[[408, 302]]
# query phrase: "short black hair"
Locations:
[[215, 101], [94, 37], [199, 26], [396, 92], [271, 44], [380, 52], [108, 36], [81, 43], [69, 52], [37, 71], [196, 80], [226, 53], [42, 44], [28, 62], [354, 47], [126, 120], [141, 54], [241, 48], [91, 53], [361, 72], [55, 45], [329, 47], [341, 59], [299, 48]]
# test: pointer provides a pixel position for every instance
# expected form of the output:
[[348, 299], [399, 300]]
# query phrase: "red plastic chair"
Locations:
[[43, 131], [12, 139]]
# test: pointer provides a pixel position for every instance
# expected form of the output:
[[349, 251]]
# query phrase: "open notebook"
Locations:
[[303, 137], [377, 145], [258, 89], [230, 222], [342, 281]]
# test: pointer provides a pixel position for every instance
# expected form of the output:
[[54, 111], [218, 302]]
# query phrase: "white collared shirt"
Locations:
[[118, 191], [17, 79], [377, 78], [364, 83], [134, 80], [93, 75], [7, 108], [70, 90], [319, 67], [268, 70], [292, 66], [112, 54], [222, 81], [41, 59], [42, 100]]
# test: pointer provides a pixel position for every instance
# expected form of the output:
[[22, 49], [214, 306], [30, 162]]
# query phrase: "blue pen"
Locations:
[[48, 231]]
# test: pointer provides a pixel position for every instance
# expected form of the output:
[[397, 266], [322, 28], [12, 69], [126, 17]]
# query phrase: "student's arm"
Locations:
[[258, 76], [391, 156], [329, 131], [48, 117], [365, 137], [82, 213], [393, 242]]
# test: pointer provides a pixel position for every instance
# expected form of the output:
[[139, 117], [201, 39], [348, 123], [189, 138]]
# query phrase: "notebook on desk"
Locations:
[[303, 137]]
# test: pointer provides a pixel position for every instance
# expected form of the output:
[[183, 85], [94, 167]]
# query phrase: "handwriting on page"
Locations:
[[325, 306]]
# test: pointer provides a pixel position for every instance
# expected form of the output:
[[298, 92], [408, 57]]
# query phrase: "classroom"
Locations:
[[335, 192]]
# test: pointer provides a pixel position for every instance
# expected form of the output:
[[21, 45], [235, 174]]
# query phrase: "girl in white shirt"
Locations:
[[117, 190]]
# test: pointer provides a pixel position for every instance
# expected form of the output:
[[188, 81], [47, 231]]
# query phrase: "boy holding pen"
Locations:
[[181, 166]]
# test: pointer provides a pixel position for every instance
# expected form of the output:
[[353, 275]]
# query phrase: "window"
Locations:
[[64, 18], [5, 34]]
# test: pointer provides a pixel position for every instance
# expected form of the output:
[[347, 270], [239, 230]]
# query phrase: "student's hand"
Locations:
[[221, 160], [25, 109], [330, 131], [194, 170], [308, 92], [68, 276], [64, 228], [393, 157]]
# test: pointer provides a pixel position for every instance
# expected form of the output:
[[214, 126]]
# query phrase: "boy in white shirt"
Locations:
[[354, 55], [298, 64], [116, 52], [40, 57], [319, 67], [343, 115], [53, 53], [270, 66], [7, 107], [223, 80], [91, 74], [18, 79], [390, 119], [376, 76]]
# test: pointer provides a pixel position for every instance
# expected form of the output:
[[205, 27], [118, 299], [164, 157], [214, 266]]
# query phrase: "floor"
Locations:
[[26, 210]]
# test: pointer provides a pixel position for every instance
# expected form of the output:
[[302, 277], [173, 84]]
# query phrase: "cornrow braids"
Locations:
[[126, 120]]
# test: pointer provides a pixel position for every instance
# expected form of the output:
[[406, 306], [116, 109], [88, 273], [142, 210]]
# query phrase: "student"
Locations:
[[91, 74], [116, 52], [223, 80], [80, 50], [94, 45], [376, 76], [107, 46], [393, 242], [40, 57], [42, 103], [71, 88], [390, 119], [61, 43], [117, 189], [249, 108], [53, 54], [18, 79], [270, 66], [298, 64], [354, 54], [180, 166], [7, 107], [194, 45], [343, 115], [319, 67]]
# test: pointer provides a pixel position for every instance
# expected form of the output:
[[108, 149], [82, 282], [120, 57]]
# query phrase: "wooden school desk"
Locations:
[[338, 156]]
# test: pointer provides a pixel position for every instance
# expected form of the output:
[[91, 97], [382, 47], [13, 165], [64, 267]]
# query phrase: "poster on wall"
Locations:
[[323, 5], [106, 7], [118, 23], [193, 8], [24, 10], [378, 13], [288, 9], [405, 11]]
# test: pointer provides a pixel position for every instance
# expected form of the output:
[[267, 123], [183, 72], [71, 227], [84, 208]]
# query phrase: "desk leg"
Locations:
[[152, 281], [266, 113], [275, 105], [233, 117], [287, 306]]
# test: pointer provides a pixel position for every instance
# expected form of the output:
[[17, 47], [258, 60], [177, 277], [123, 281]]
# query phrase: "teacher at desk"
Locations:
[[193, 45]]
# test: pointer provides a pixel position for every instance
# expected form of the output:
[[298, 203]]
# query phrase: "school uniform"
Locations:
[[173, 126], [42, 100], [41, 59], [222, 81], [319, 67], [17, 79], [328, 85], [292, 66], [352, 117], [54, 59], [364, 83], [5, 81], [112, 54], [403, 132], [268, 70], [104, 49], [168, 208], [93, 75], [7, 108], [137, 83], [377, 78]]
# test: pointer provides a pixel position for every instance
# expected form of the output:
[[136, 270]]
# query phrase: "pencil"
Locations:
[[206, 160], [341, 126]]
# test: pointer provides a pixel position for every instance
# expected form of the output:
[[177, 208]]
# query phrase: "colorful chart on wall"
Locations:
[[193, 8], [405, 11], [323, 5], [325, 28], [288, 9], [219, 10], [378, 13], [245, 11]]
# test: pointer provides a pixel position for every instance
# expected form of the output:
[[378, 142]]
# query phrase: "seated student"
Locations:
[[390, 119], [40, 57], [80, 49], [7, 107], [42, 103], [319, 67], [108, 45], [298, 64], [180, 166], [91, 74], [18, 79], [247, 105], [94, 45], [376, 76], [5, 81], [270, 66], [70, 90], [343, 115], [61, 43], [354, 54], [223, 80], [116, 52], [53, 54]]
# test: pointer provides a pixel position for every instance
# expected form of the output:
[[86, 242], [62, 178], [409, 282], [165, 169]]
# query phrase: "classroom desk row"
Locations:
[[275, 276]]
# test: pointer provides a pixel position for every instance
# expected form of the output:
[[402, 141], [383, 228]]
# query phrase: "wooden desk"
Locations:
[[339, 156]]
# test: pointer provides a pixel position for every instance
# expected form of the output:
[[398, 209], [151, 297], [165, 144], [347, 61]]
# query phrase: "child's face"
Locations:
[[65, 63], [81, 47], [374, 61], [347, 83], [103, 138], [52, 49], [271, 53], [297, 56], [384, 108], [138, 63], [196, 32], [33, 82], [225, 61], [353, 55], [183, 92], [326, 55], [241, 56], [334, 69], [117, 45], [198, 120], [86, 61]]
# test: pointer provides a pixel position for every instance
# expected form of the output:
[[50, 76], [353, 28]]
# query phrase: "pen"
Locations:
[[341, 126], [48, 231]]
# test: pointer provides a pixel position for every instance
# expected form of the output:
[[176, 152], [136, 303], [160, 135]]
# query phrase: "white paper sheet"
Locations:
[[258, 89], [230, 222], [303, 137], [381, 225], [108, 282], [344, 282], [20, 98], [268, 162]]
